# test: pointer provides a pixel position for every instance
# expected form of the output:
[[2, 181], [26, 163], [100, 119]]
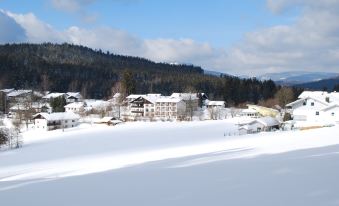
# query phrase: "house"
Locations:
[[7, 91], [170, 108], [307, 108], [315, 108], [73, 97], [53, 95], [192, 100], [96, 105], [249, 113], [35, 107], [60, 120], [259, 125], [215, 104], [19, 96], [143, 106], [264, 111], [76, 107]]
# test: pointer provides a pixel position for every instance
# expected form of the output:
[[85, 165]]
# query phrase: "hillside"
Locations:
[[325, 84], [190, 163], [65, 67]]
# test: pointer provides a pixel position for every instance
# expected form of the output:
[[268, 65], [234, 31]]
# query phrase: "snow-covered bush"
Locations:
[[10, 138]]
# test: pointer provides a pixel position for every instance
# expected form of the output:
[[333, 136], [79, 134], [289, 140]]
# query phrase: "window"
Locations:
[[73, 120], [332, 114], [312, 103], [316, 113], [304, 103]]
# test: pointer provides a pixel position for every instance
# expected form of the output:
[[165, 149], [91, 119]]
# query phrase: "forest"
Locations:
[[95, 73]]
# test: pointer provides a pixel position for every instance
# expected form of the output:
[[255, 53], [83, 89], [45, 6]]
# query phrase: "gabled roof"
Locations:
[[303, 99], [150, 99], [315, 94], [216, 103], [53, 95], [249, 111], [95, 104], [185, 96], [134, 96], [7, 90], [16, 93], [169, 100], [268, 121], [57, 116], [74, 94], [34, 105]]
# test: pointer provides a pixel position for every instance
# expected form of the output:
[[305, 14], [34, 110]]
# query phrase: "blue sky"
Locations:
[[220, 23], [231, 35]]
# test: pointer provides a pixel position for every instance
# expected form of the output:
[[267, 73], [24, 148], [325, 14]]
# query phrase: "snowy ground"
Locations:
[[190, 163]]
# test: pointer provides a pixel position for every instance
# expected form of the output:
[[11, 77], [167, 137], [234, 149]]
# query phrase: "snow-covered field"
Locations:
[[188, 163]]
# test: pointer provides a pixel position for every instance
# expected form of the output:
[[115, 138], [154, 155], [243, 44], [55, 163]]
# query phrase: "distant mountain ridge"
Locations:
[[297, 77], [325, 84]]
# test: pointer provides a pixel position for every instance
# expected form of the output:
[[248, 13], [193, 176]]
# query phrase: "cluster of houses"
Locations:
[[311, 107], [178, 106]]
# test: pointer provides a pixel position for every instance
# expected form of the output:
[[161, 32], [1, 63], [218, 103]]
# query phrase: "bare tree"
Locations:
[[284, 96]]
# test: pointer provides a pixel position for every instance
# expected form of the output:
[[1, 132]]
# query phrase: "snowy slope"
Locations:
[[172, 164]]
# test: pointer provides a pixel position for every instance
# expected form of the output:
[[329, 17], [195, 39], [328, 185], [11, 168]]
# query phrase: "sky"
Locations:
[[249, 37]]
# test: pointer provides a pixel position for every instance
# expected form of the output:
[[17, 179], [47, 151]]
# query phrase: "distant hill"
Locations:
[[325, 84], [297, 77], [65, 67]]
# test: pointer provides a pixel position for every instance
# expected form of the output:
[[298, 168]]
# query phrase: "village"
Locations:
[[28, 109]]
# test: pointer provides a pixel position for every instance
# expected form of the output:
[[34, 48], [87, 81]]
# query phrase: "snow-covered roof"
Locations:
[[185, 96], [216, 103], [73, 94], [249, 111], [96, 104], [134, 96], [75, 105], [316, 94], [34, 105], [39, 94], [169, 100], [303, 99], [7, 90], [58, 116], [53, 95], [267, 121], [16, 93]]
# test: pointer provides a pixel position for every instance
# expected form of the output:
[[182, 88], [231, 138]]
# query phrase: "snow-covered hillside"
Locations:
[[190, 163]]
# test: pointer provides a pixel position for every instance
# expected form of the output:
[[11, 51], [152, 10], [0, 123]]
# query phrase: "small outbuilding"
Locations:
[[258, 125]]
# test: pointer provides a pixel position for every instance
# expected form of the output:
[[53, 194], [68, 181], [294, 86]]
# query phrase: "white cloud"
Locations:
[[311, 43], [36, 30]]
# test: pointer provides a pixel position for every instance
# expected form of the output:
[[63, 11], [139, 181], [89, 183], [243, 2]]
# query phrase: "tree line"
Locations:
[[66, 67]]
